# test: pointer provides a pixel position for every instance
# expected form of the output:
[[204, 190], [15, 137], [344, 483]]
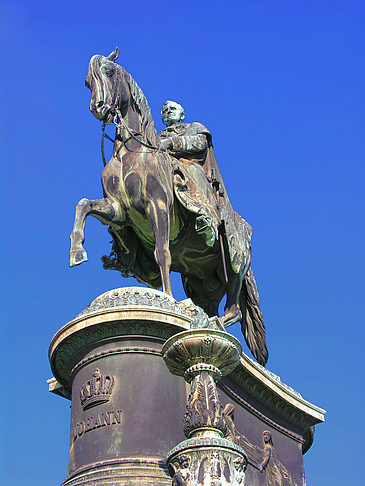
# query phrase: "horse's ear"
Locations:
[[113, 56]]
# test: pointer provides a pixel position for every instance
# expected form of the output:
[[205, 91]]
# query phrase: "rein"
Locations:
[[102, 142], [124, 126]]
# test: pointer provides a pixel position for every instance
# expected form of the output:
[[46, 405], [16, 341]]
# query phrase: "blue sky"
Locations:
[[281, 86]]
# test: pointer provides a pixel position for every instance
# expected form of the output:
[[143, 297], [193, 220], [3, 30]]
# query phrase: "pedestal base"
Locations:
[[132, 471], [127, 408]]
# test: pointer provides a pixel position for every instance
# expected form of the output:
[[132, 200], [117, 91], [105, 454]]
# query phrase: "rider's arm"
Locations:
[[189, 143]]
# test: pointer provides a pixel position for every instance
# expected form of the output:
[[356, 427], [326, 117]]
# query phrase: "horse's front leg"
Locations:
[[158, 214], [104, 209]]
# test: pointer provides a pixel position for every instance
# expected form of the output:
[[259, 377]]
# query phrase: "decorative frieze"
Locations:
[[209, 462], [140, 296]]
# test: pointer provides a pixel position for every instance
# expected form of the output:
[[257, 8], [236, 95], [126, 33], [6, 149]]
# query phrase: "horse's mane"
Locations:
[[147, 124], [148, 128]]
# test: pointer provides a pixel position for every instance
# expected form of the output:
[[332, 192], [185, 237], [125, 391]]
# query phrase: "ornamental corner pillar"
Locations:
[[202, 357]]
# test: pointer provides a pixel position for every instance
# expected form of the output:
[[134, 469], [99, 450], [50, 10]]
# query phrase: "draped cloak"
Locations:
[[199, 187]]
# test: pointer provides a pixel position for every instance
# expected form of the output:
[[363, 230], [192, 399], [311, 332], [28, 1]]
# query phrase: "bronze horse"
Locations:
[[152, 232]]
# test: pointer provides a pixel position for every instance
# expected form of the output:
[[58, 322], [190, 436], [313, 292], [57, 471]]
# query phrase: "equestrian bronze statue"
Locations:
[[167, 207]]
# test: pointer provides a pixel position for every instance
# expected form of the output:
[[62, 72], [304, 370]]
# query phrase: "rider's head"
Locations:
[[172, 113]]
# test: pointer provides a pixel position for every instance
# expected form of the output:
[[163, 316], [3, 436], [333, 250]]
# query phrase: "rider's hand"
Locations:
[[166, 143]]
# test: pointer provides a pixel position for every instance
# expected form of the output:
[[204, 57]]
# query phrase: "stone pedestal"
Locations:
[[128, 408]]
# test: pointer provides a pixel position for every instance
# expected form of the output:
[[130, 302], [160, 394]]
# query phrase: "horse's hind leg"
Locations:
[[160, 221], [104, 209]]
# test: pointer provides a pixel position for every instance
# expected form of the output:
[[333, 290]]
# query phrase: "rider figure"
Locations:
[[199, 185], [189, 144]]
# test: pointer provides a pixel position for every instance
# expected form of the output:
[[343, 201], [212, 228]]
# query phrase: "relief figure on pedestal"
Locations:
[[218, 469], [213, 471], [239, 472], [167, 207], [276, 473], [266, 459], [181, 476], [211, 468]]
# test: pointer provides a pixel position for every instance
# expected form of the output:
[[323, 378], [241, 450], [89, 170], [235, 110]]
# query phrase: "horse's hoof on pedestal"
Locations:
[[77, 257]]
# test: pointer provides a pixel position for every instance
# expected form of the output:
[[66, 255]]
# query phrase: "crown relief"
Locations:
[[97, 390]]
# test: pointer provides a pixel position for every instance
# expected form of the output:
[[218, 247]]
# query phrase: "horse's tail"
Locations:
[[253, 327]]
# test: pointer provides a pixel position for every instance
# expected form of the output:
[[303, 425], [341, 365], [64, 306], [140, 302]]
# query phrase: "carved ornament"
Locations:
[[207, 462], [97, 390], [204, 409], [153, 299], [201, 347]]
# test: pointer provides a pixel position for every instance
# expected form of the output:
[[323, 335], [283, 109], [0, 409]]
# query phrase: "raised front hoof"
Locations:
[[77, 257], [232, 315]]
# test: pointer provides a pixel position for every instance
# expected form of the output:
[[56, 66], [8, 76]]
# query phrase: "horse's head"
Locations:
[[105, 79]]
